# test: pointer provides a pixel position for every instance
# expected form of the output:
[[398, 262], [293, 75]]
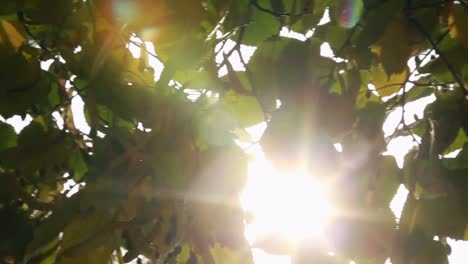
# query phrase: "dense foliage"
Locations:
[[160, 174]]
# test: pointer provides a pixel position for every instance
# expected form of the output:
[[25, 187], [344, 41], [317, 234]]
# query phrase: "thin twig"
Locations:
[[271, 12], [449, 66]]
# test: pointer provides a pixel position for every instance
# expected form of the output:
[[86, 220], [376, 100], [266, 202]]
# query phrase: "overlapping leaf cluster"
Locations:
[[160, 174]]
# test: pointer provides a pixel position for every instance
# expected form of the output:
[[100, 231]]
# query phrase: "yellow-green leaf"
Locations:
[[10, 34], [387, 84], [228, 256], [84, 228]]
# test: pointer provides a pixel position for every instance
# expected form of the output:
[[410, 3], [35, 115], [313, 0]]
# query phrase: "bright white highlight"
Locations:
[[293, 206]]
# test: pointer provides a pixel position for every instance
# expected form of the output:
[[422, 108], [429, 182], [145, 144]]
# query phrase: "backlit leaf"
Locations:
[[458, 22], [394, 55], [245, 109], [385, 84]]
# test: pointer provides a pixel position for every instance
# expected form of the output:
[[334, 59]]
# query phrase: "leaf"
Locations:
[[225, 255], [48, 11], [97, 249], [16, 231], [78, 165], [23, 82], [263, 66], [371, 119], [10, 35], [458, 23], [385, 84], [381, 15], [299, 68], [8, 136], [388, 179], [10, 7], [458, 142], [49, 228], [447, 112], [84, 228], [394, 55], [245, 109], [460, 161], [261, 26]]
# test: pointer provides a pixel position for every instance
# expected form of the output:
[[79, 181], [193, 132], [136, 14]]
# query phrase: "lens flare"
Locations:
[[349, 13], [293, 206], [125, 10]]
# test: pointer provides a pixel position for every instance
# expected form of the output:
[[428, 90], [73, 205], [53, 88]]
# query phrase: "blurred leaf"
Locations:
[[381, 15], [385, 84], [228, 256], [388, 179], [261, 26], [10, 7], [97, 249], [50, 227], [16, 230], [48, 11], [83, 228], [458, 143], [458, 21], [371, 119], [10, 35], [78, 165], [243, 108], [460, 161], [8, 136]]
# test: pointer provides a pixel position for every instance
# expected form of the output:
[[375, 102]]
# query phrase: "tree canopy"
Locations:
[[160, 172]]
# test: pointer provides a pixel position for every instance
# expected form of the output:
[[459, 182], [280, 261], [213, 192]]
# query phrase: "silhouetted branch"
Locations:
[[449, 66], [271, 12]]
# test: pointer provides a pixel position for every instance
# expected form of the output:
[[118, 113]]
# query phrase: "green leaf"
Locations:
[[245, 109], [460, 161], [225, 255], [375, 21], [458, 143], [78, 165], [49, 228], [23, 82], [371, 119], [8, 136], [263, 66], [261, 25], [214, 126], [97, 249], [84, 228], [388, 179]]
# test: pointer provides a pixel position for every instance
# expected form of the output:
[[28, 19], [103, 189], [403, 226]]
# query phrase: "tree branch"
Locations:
[[449, 66], [271, 12]]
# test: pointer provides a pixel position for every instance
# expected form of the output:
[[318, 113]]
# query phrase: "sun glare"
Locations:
[[292, 206]]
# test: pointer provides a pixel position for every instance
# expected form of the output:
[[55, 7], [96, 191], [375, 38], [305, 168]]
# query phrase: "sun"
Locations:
[[292, 206]]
